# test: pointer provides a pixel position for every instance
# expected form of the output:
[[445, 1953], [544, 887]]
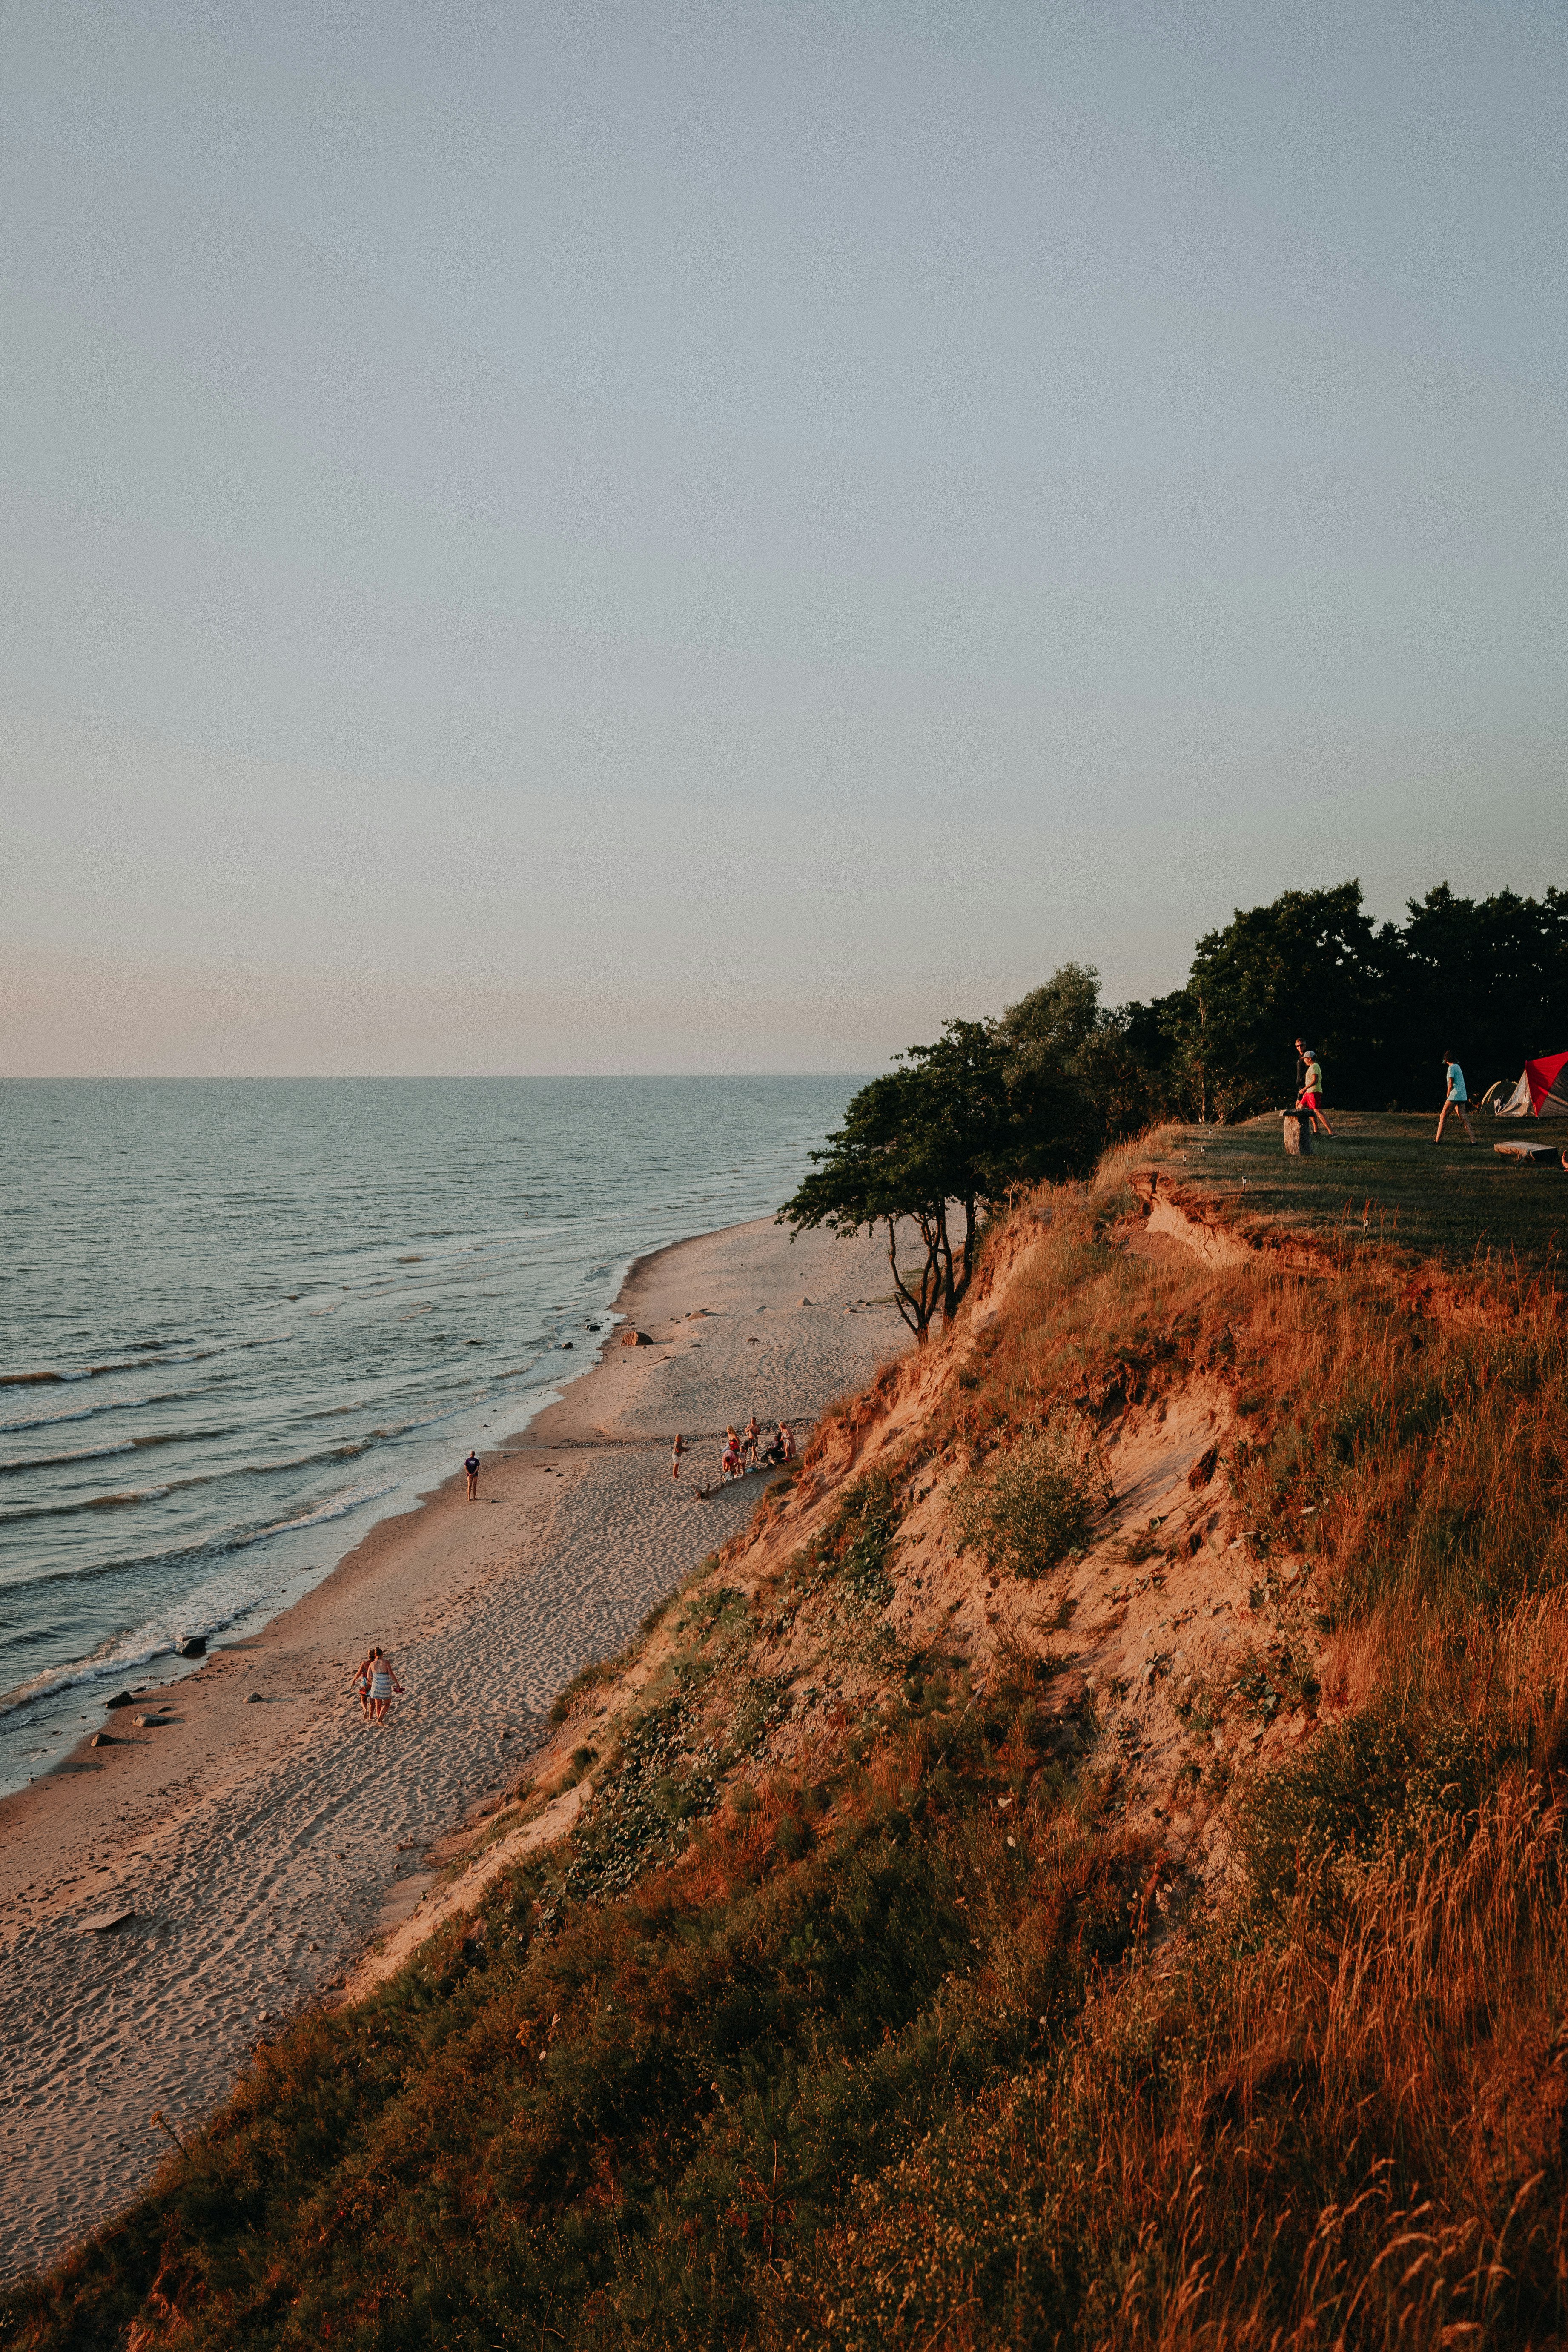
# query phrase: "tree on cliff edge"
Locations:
[[933, 1143]]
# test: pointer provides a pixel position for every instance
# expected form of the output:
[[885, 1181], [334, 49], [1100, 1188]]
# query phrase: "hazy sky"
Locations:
[[660, 537]]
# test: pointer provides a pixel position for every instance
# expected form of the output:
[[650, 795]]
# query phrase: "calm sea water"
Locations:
[[242, 1319]]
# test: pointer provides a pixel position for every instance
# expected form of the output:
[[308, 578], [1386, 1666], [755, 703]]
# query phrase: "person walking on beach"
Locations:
[[382, 1683], [361, 1686], [676, 1451], [1311, 1087], [472, 1466], [1458, 1098]]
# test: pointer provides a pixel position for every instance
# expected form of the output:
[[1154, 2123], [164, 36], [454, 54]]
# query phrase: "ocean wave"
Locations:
[[334, 1508], [110, 1404], [69, 1506], [58, 1460], [186, 1354], [119, 1445], [120, 1500], [209, 1611], [87, 1371], [219, 1545]]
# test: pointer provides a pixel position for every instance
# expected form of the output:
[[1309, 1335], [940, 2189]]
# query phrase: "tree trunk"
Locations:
[[916, 1308], [956, 1285]]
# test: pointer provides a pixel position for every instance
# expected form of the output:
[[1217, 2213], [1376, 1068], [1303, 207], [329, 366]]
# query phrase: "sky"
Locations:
[[664, 537]]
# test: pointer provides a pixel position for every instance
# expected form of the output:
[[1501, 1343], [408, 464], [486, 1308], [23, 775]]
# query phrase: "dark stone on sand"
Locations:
[[630, 1338], [568, 1343], [253, 1700], [120, 1699], [150, 1722], [192, 1646], [101, 1921], [102, 1739]]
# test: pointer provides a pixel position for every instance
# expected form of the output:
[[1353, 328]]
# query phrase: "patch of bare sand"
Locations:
[[262, 1843]]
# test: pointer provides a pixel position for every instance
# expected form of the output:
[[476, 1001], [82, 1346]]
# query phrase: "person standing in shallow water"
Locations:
[[473, 1467]]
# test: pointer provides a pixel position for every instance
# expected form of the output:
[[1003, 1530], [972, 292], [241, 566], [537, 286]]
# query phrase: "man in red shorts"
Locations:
[[1311, 1088]]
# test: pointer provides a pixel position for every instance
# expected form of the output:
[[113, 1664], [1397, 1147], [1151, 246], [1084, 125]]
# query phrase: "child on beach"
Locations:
[[382, 1683], [676, 1451], [362, 1684], [729, 1460], [787, 1443], [749, 1443]]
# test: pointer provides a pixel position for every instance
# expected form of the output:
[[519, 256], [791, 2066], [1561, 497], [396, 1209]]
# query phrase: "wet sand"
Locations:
[[263, 1833]]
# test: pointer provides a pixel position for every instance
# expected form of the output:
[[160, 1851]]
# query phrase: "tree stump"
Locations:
[[1297, 1135]]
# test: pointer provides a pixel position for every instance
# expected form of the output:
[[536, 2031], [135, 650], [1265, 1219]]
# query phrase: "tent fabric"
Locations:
[[1541, 1091]]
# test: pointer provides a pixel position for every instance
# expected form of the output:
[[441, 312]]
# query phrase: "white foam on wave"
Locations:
[[79, 1453], [333, 1507], [211, 1607], [42, 1420]]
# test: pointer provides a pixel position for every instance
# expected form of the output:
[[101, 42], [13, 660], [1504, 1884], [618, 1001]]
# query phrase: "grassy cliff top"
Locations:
[[1456, 1201]]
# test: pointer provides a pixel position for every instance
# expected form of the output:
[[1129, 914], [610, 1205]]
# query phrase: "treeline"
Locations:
[[1484, 979], [1041, 1090]]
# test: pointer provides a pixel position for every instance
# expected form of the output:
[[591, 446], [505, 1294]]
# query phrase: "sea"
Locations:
[[241, 1320]]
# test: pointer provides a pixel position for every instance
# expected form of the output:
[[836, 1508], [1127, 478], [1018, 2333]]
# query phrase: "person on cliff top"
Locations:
[[1458, 1098], [1311, 1088], [473, 1467]]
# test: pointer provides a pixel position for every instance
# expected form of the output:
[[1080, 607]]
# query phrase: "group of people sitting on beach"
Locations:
[[744, 1450], [375, 1679]]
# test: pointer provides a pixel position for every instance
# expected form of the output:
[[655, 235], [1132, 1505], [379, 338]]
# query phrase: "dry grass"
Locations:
[[1352, 2134], [1380, 1184], [914, 2044]]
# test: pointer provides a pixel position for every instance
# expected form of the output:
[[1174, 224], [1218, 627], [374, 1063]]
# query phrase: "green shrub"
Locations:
[[1026, 1511], [1387, 1768]]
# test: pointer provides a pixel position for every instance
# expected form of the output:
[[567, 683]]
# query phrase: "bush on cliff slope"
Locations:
[[1031, 1507]]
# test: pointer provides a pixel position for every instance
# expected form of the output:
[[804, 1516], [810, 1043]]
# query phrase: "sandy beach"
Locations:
[[263, 1835]]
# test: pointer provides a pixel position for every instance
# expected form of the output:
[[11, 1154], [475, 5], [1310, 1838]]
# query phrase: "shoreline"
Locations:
[[262, 1837]]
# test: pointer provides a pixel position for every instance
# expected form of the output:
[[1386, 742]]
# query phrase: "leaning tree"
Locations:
[[942, 1138]]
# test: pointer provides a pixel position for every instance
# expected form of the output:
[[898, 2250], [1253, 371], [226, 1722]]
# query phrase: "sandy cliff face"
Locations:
[[1167, 1652]]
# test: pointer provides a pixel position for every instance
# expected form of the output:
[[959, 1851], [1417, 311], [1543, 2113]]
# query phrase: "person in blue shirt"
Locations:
[[1455, 1099]]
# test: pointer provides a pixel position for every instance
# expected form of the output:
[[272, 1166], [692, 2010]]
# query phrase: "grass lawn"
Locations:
[[1457, 1202]]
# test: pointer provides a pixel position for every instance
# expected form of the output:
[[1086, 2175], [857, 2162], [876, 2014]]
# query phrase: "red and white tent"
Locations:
[[1541, 1091]]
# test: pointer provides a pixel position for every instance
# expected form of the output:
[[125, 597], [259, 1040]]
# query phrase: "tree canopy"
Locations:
[[928, 1148], [931, 1144]]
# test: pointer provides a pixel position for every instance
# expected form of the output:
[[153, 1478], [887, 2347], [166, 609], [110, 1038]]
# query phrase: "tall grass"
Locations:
[[1350, 2132], [901, 2041]]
